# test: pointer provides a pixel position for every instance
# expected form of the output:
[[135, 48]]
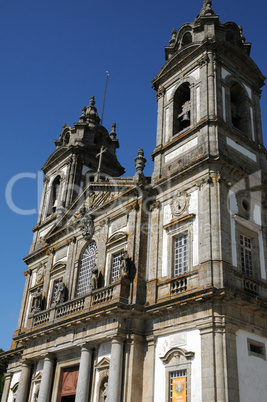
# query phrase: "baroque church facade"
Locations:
[[154, 289]]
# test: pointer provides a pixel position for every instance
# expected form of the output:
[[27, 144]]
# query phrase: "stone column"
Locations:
[[82, 391], [46, 381], [6, 387], [24, 382], [115, 371]]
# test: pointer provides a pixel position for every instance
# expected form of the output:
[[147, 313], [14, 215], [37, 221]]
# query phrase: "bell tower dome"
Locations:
[[208, 94]]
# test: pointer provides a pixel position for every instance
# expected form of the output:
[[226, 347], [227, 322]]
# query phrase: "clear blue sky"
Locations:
[[54, 57]]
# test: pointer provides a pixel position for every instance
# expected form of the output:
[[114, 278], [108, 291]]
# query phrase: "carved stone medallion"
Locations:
[[179, 204]]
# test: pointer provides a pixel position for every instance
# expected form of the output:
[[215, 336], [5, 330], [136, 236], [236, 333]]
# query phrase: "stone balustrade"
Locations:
[[70, 307], [41, 318], [178, 285], [251, 287], [85, 303], [103, 295]]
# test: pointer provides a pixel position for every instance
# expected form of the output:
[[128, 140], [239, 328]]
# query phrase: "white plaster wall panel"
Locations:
[[225, 73], [252, 124], [148, 244], [223, 102], [257, 215], [167, 124], [262, 258], [198, 103], [167, 216], [195, 74], [182, 149], [189, 340], [248, 91], [251, 369], [169, 93], [61, 254], [233, 210], [15, 379], [193, 209], [45, 231], [33, 278], [103, 351], [241, 149]]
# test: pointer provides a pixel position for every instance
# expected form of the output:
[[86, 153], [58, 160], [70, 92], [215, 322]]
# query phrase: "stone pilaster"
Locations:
[[6, 387], [148, 371], [207, 364], [46, 381], [84, 379], [24, 382], [115, 370]]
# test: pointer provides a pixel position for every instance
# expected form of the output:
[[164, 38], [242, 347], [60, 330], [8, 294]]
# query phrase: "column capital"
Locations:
[[48, 356]]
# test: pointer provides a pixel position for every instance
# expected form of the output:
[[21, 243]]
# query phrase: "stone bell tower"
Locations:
[[208, 96]]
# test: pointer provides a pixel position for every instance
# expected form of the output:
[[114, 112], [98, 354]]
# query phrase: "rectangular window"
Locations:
[[178, 391], [256, 349], [246, 255], [115, 266], [180, 255]]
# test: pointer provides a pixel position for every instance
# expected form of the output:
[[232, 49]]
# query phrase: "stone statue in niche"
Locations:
[[94, 278], [36, 392], [105, 391], [60, 293], [37, 300]]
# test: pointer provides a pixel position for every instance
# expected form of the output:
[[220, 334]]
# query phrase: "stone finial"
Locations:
[[91, 113], [206, 8], [140, 162], [173, 38], [113, 133], [82, 118]]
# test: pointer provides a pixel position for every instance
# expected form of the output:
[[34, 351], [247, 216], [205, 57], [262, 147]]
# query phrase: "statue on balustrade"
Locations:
[[60, 293], [94, 278], [37, 298]]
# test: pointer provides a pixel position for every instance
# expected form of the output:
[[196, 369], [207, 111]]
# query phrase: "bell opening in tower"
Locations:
[[181, 108]]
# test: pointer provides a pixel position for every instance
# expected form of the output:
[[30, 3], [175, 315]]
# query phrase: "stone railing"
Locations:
[[116, 292], [251, 287], [102, 296], [41, 318], [178, 285], [70, 307]]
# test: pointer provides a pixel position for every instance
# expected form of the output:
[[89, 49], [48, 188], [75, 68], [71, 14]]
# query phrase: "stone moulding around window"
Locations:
[[177, 352], [178, 221], [256, 348]]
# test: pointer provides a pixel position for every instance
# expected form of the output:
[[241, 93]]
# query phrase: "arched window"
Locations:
[[187, 39], [181, 108], [85, 271], [55, 193], [239, 108]]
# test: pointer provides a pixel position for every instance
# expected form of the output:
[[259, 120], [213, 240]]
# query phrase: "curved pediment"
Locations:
[[177, 352], [116, 237]]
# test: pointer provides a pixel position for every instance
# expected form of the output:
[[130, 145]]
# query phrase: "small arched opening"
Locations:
[[181, 108]]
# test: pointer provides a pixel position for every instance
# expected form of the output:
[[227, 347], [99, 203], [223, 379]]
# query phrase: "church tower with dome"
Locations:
[[154, 289]]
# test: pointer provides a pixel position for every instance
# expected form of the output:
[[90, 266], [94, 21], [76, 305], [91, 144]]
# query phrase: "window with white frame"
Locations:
[[85, 271], [181, 254], [246, 255], [177, 383], [115, 266], [177, 363]]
